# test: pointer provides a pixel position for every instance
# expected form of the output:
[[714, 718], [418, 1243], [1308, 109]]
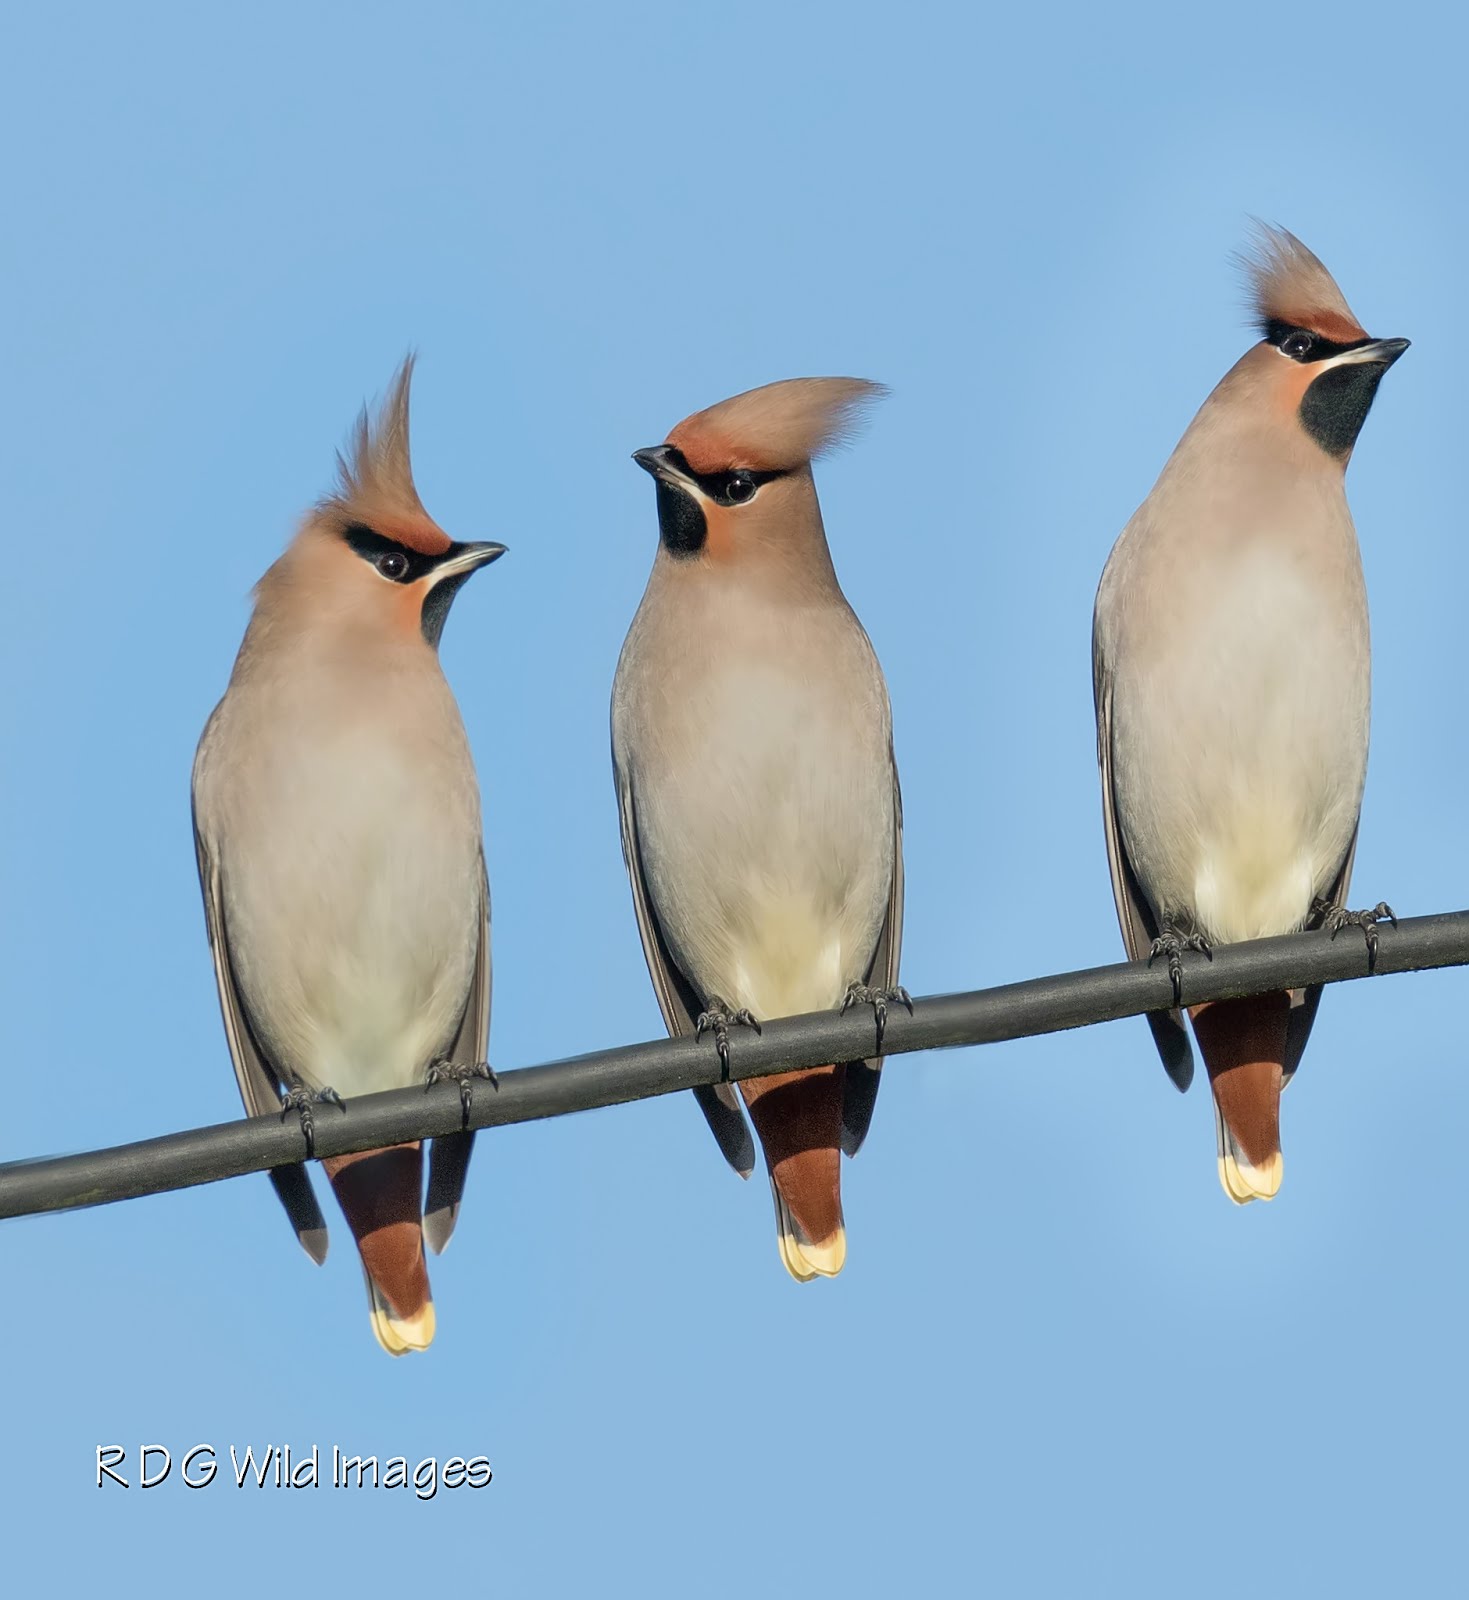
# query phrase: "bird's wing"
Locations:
[[259, 1082], [449, 1157], [677, 999], [1305, 1002], [859, 1094], [1139, 927]]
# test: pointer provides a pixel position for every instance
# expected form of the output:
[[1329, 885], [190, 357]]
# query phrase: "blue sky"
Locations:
[[1058, 1362]]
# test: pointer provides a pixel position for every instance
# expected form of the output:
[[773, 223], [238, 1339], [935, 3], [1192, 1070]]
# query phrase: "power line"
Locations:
[[639, 1071]]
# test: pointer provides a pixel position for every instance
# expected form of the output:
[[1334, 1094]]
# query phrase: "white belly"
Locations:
[[1239, 767], [352, 905], [764, 796]]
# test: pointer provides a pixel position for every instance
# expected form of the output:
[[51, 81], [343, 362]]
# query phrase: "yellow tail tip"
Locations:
[[1242, 1181], [805, 1260], [399, 1335], [800, 1257]]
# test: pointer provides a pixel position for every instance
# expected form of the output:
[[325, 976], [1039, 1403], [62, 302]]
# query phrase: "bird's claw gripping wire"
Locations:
[[1338, 917], [464, 1076], [860, 994], [1171, 943], [717, 1019], [300, 1099]]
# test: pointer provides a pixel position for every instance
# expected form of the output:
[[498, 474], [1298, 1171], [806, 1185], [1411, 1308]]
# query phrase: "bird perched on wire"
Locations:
[[337, 822], [1231, 675], [761, 819]]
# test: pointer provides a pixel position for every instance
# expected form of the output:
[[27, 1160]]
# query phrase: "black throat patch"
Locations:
[[401, 564], [682, 525], [1335, 406]]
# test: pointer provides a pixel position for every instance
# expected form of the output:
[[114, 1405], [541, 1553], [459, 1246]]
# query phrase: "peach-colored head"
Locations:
[[734, 481], [775, 428], [375, 477], [368, 559], [1315, 372], [1289, 285]]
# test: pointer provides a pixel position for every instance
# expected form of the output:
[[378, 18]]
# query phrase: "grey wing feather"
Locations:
[[1139, 927], [859, 1094], [1305, 1002], [258, 1080], [677, 1000], [449, 1155]]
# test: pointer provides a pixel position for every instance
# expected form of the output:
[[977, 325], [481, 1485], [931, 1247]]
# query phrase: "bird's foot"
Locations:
[[300, 1099], [1171, 943], [860, 994], [447, 1072], [718, 1019], [1338, 917]]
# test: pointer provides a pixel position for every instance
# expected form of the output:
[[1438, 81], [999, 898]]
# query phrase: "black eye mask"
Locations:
[[733, 488], [1300, 344], [397, 562]]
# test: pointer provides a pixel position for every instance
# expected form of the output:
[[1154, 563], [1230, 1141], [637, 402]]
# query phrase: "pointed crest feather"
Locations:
[[1289, 284], [775, 428], [375, 477]]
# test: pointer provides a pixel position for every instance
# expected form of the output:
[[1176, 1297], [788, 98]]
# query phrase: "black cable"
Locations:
[[637, 1071]]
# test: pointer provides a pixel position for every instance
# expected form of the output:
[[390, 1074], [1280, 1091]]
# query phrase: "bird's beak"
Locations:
[[1382, 352], [657, 461], [466, 558]]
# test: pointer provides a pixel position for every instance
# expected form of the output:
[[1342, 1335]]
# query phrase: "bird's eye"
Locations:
[[739, 487], [1297, 345], [393, 564]]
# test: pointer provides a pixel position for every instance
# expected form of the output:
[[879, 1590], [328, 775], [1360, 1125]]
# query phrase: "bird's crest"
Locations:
[[375, 477], [1289, 284], [776, 428]]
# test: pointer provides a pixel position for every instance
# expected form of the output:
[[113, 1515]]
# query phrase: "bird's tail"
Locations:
[[798, 1116], [381, 1196], [1243, 1045]]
